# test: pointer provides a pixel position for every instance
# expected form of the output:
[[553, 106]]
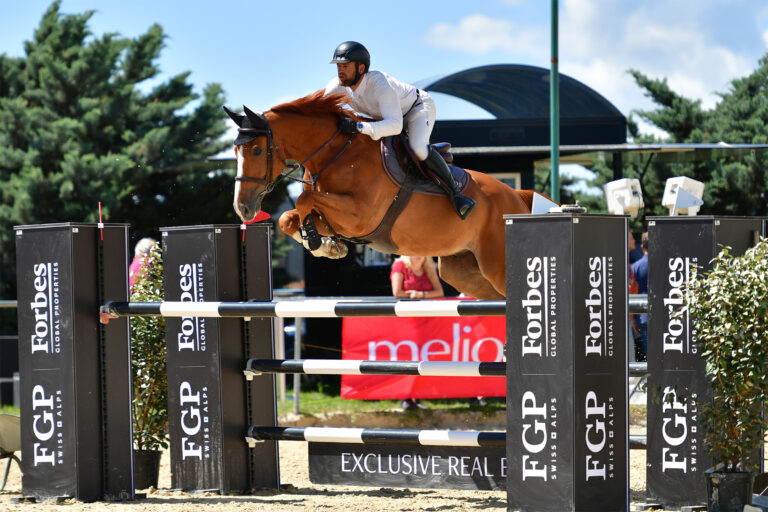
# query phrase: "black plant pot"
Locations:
[[728, 491], [146, 468]]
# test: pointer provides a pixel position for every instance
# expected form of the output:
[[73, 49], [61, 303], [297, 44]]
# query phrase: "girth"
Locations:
[[380, 238]]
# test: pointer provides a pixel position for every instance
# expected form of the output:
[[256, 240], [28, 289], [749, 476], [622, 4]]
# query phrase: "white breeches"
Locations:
[[419, 123]]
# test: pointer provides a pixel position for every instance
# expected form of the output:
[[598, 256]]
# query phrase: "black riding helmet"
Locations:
[[351, 51]]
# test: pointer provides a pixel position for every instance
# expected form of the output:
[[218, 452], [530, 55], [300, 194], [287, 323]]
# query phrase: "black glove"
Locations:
[[348, 125]]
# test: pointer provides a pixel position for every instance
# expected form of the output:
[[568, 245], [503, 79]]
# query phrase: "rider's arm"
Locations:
[[391, 112]]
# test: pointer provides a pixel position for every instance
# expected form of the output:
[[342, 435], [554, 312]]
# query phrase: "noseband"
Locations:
[[289, 168]]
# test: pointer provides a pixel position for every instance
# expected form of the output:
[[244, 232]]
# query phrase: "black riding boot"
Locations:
[[461, 203]]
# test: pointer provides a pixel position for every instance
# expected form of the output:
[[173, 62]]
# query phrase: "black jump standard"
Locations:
[[567, 312]]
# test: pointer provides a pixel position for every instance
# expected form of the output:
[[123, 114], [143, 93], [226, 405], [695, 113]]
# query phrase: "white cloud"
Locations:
[[599, 40], [478, 34]]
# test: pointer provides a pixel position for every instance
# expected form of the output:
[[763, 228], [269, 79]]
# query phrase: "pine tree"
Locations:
[[734, 185], [78, 127]]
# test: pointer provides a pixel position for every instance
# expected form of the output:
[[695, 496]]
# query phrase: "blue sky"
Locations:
[[266, 52]]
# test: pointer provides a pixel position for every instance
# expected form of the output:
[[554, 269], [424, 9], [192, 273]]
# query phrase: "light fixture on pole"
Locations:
[[624, 196], [682, 195]]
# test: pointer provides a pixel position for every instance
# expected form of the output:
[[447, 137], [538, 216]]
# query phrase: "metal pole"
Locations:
[[554, 111]]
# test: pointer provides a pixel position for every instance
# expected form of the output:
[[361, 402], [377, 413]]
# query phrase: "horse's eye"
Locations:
[[256, 150]]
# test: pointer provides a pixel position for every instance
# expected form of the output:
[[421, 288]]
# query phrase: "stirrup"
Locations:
[[463, 205], [309, 233]]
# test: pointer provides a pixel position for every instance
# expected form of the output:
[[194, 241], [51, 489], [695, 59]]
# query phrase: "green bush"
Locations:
[[730, 307], [150, 385]]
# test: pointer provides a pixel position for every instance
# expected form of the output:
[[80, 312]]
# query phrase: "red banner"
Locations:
[[468, 338]]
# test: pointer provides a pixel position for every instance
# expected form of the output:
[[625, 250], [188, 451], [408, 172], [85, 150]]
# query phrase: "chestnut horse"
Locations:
[[347, 193]]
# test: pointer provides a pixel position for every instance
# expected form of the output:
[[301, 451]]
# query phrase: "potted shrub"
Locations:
[[150, 390], [730, 307]]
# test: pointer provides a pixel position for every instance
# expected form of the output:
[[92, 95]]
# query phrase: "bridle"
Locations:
[[288, 167]]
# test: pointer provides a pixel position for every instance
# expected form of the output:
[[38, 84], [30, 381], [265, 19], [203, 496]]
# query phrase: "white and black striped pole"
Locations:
[[376, 436], [310, 308], [467, 438], [360, 367]]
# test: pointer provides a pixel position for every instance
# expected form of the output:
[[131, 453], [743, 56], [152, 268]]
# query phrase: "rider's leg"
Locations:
[[436, 164], [420, 122]]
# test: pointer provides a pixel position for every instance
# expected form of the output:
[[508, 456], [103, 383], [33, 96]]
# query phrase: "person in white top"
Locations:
[[392, 104]]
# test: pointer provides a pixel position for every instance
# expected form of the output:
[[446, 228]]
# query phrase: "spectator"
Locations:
[[635, 252], [633, 289], [140, 253], [640, 269], [414, 277]]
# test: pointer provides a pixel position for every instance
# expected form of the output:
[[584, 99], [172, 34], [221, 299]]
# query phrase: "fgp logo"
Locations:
[[44, 425], [598, 437], [192, 335], [678, 421], [539, 437], [678, 335], [195, 442]]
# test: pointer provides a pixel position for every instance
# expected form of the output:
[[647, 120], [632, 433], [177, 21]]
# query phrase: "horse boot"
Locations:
[[442, 176], [309, 233]]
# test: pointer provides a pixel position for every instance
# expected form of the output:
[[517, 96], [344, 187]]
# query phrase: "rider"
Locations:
[[391, 103]]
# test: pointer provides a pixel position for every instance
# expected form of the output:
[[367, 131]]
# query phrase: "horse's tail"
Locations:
[[527, 196]]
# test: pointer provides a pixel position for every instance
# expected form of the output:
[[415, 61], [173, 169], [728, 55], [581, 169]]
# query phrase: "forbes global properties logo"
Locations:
[[192, 335], [539, 307], [45, 306]]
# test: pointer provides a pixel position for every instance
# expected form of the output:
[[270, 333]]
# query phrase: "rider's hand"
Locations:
[[348, 125]]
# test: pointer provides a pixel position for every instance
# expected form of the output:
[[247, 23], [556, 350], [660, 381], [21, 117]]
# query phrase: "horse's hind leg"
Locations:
[[463, 273], [491, 258]]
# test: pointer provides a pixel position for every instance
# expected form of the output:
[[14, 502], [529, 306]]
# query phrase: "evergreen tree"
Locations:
[[734, 185], [76, 129]]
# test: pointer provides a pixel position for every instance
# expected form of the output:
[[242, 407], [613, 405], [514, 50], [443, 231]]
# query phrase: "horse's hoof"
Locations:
[[334, 249]]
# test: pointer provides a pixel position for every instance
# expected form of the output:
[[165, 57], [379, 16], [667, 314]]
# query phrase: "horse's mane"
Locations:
[[315, 104]]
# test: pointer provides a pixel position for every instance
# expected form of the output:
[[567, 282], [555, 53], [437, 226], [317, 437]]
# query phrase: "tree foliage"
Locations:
[[149, 376], [730, 307], [85, 119], [735, 185]]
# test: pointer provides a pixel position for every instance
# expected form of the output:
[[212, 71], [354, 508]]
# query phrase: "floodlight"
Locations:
[[683, 195], [624, 196]]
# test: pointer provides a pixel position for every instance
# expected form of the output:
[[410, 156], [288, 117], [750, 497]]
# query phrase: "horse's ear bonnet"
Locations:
[[251, 125]]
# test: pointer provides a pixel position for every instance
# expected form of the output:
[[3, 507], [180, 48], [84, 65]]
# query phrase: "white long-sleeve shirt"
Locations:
[[381, 97]]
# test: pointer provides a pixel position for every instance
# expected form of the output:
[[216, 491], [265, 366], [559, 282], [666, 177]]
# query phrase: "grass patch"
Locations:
[[9, 409], [315, 402]]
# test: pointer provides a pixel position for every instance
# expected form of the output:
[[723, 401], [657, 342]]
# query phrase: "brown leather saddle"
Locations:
[[404, 169]]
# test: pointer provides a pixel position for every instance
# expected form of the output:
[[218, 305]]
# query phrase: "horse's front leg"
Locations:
[[290, 223]]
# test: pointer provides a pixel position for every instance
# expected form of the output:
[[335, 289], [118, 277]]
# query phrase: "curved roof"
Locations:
[[517, 91]]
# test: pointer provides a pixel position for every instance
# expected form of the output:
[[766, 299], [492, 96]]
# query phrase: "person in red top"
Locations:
[[415, 277], [140, 253]]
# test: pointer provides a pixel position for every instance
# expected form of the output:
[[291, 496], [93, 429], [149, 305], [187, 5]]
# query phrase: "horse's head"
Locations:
[[309, 120], [254, 149]]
